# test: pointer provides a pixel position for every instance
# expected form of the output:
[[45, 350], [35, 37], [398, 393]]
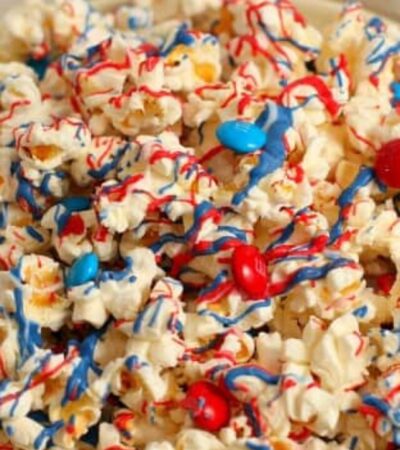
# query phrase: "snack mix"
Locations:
[[199, 227]]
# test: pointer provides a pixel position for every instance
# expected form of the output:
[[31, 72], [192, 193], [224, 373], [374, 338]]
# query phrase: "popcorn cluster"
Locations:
[[199, 227]]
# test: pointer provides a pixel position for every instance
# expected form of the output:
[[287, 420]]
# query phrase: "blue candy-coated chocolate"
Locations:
[[76, 203], [395, 87], [84, 269], [241, 137]]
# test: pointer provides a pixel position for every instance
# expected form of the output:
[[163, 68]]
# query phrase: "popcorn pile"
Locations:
[[199, 227]]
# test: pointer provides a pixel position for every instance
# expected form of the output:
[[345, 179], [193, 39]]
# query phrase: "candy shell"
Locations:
[[395, 87], [76, 203], [208, 405], [84, 269], [385, 282], [241, 137], [387, 164], [250, 271]]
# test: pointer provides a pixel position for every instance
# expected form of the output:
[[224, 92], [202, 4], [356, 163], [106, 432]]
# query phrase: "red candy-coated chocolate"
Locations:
[[209, 406], [250, 271], [387, 164], [385, 282]]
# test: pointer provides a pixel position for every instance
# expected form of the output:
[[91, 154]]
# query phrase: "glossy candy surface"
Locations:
[[84, 269], [385, 282], [387, 164], [241, 137], [76, 203], [250, 271], [208, 405]]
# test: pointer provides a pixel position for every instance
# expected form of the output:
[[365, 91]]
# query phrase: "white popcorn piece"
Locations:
[[25, 433], [40, 282], [47, 147], [143, 110], [17, 401], [111, 144], [195, 440]]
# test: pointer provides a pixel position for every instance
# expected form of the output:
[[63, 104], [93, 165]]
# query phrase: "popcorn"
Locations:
[[192, 59], [133, 18], [159, 446], [47, 147], [113, 292], [143, 110], [11, 408], [363, 115], [25, 433], [166, 286], [259, 28], [101, 161], [69, 231], [196, 439], [20, 102], [9, 349], [40, 283], [26, 32], [344, 332], [380, 406], [173, 169], [69, 21]]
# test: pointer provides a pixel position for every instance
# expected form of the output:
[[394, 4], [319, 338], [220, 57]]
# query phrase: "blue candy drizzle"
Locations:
[[275, 120], [249, 371], [364, 177], [78, 382], [231, 321], [46, 434], [182, 37]]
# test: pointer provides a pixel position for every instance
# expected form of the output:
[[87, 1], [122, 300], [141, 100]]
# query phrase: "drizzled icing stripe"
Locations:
[[202, 212], [308, 274], [46, 434], [287, 231], [324, 93], [279, 57], [289, 40], [375, 32], [78, 381], [251, 414], [376, 403], [182, 37], [275, 120], [151, 314], [25, 192], [98, 170], [363, 178], [231, 321], [253, 446], [219, 287], [29, 337], [232, 375]]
